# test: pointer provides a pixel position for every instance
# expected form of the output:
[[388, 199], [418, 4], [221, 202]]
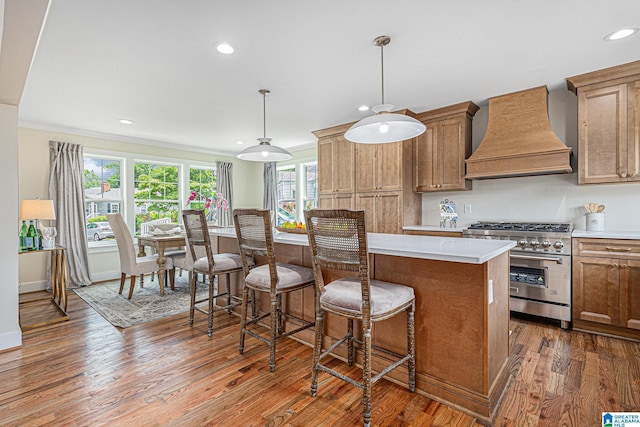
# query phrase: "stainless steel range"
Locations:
[[540, 271]]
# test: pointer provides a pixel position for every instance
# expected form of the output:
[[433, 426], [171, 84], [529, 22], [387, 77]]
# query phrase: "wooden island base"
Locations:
[[462, 324]]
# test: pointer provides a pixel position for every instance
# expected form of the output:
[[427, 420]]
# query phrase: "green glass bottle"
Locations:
[[32, 237], [23, 236]]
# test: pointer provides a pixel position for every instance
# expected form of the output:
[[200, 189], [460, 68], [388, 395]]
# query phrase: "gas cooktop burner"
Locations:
[[522, 226]]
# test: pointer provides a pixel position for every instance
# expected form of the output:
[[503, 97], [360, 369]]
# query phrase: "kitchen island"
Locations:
[[462, 311]]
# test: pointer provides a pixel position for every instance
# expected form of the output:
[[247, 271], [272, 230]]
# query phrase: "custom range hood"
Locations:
[[519, 140]]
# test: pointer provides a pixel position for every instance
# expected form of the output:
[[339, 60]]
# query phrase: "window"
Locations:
[[156, 192], [310, 186], [286, 178], [102, 193], [204, 182]]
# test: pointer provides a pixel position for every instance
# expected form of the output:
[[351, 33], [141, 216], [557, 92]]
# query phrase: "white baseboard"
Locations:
[[107, 275], [39, 285], [10, 340]]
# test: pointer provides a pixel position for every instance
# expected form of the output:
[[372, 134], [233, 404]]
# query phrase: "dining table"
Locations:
[[160, 242]]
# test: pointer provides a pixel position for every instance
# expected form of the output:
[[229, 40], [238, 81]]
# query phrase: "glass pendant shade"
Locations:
[[264, 152], [384, 127]]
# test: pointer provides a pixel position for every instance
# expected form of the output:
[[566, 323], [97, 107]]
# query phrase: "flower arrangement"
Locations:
[[216, 201]]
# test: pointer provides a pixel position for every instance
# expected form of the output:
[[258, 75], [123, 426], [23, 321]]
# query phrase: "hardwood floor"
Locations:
[[85, 372]]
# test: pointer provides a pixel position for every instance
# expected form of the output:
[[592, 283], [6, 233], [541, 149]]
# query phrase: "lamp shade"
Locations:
[[384, 127], [37, 209], [264, 152]]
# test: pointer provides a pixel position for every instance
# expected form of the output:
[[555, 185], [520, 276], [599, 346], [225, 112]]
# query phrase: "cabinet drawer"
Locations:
[[626, 249]]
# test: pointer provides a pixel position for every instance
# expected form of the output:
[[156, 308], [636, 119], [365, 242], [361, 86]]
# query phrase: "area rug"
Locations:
[[146, 304]]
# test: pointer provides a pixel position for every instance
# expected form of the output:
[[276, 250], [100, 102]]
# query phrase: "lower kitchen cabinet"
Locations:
[[383, 211], [336, 201], [606, 286]]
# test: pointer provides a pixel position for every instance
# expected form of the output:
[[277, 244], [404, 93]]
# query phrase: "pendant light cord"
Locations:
[[382, 69], [264, 114]]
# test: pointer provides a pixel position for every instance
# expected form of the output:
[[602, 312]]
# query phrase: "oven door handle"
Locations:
[[559, 260]]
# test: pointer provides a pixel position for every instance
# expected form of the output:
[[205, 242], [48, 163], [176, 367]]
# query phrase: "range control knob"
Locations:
[[546, 244], [522, 243], [534, 244], [558, 245]]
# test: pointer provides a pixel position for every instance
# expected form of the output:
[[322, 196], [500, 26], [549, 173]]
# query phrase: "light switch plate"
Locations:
[[490, 291]]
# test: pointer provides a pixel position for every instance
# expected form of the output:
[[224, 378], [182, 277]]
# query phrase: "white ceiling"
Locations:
[[152, 61]]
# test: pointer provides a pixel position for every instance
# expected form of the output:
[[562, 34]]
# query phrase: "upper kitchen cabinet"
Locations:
[[608, 124], [382, 167], [335, 161], [440, 152]]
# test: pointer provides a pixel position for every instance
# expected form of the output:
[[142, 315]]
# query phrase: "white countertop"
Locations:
[[631, 235], [456, 229], [470, 251]]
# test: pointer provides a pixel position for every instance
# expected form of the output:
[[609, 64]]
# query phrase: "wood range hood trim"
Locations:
[[519, 140]]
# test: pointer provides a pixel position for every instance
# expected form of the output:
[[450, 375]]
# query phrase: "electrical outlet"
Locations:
[[467, 208]]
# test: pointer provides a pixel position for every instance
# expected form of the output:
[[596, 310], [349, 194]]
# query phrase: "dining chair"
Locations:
[[130, 264], [255, 241], [338, 241], [210, 265]]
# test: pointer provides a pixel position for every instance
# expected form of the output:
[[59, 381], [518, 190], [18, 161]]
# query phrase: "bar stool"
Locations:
[[210, 266], [255, 239], [338, 241]]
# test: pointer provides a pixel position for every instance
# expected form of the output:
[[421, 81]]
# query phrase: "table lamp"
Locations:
[[40, 209]]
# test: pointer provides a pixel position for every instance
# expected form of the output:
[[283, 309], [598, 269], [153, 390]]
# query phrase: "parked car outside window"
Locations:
[[99, 230]]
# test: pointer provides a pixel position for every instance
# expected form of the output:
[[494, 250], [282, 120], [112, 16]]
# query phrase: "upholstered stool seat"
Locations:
[[289, 276], [346, 295]]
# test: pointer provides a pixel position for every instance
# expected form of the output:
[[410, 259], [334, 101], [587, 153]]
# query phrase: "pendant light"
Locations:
[[264, 152], [385, 126]]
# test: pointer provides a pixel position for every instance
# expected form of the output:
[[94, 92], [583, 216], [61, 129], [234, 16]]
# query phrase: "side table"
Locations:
[[33, 313]]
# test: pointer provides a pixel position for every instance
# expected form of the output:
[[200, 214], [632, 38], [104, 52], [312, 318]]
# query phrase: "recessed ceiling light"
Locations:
[[225, 48], [363, 108], [239, 142], [621, 34], [126, 121]]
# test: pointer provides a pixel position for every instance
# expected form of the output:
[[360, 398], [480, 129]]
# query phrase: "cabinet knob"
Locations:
[[623, 175], [624, 266], [614, 265]]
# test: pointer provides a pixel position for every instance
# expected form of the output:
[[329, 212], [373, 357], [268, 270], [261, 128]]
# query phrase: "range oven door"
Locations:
[[541, 277]]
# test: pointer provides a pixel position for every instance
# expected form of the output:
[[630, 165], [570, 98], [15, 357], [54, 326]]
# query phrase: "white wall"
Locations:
[[104, 263], [10, 334], [552, 198]]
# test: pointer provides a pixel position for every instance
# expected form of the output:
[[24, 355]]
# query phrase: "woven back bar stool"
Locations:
[[255, 239], [338, 241], [209, 265]]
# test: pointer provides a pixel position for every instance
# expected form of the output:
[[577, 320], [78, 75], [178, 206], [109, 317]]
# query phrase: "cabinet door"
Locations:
[[325, 166], [388, 213], [602, 135], [389, 166], [343, 201], [365, 155], [451, 155], [336, 201], [596, 290], [368, 203], [424, 153], [630, 294], [634, 132], [343, 165]]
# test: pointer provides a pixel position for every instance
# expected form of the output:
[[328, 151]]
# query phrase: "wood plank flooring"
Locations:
[[85, 372]]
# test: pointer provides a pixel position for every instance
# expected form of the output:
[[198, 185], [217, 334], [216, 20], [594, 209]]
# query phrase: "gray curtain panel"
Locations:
[[224, 170], [270, 194], [67, 192]]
